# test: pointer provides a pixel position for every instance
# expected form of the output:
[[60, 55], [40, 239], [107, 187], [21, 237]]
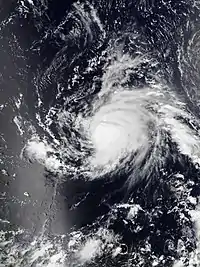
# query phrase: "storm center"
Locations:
[[107, 135]]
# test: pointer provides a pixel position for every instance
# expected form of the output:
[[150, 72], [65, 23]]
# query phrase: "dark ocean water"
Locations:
[[73, 75]]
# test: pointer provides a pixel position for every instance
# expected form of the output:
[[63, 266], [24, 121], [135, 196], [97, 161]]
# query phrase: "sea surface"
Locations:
[[99, 133]]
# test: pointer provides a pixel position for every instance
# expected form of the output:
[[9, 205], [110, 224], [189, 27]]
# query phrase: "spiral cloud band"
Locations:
[[119, 127]]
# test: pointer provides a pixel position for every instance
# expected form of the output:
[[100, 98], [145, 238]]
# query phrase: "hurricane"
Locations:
[[100, 135]]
